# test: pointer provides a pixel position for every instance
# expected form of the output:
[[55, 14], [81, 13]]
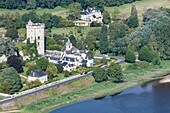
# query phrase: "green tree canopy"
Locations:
[[130, 56], [10, 81], [12, 33], [133, 19], [42, 63], [115, 72], [100, 75]]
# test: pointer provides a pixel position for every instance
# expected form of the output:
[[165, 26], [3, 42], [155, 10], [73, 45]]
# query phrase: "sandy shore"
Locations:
[[165, 79]]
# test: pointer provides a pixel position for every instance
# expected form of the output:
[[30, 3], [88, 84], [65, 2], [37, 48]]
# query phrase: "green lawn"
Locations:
[[73, 30], [59, 11], [141, 6]]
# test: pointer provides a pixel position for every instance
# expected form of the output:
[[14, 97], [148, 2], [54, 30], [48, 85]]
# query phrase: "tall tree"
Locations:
[[42, 63], [106, 17], [75, 10], [12, 33], [115, 72], [130, 56], [100, 75], [133, 19], [10, 81], [103, 40], [73, 40]]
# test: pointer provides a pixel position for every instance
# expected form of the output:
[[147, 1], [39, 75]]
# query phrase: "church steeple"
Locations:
[[68, 45]]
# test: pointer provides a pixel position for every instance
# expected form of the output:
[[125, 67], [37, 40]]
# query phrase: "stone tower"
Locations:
[[35, 32]]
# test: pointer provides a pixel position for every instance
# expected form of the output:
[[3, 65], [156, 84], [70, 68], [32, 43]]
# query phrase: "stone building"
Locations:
[[35, 33]]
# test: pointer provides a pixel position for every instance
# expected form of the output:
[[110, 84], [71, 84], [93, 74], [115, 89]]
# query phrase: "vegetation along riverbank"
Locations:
[[134, 74]]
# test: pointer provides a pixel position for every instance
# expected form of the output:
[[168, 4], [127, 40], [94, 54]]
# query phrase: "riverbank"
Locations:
[[95, 90], [86, 89]]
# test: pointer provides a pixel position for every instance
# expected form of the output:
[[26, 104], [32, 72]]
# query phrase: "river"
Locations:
[[148, 98]]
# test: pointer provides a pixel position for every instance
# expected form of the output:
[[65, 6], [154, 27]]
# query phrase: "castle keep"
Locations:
[[35, 32]]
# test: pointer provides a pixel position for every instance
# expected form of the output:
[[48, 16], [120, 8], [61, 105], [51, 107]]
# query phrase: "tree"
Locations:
[[12, 33], [100, 74], [106, 17], [130, 56], [75, 10], [15, 62], [133, 19], [73, 40], [31, 4], [10, 81], [51, 70], [145, 54], [59, 68], [152, 14], [31, 68], [115, 72], [42, 63], [90, 54], [103, 40]]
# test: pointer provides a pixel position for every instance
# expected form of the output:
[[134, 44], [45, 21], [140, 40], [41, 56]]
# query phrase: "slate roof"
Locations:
[[37, 73], [69, 59], [84, 61], [64, 63]]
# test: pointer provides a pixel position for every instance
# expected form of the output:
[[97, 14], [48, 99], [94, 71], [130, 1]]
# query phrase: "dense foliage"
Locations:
[[7, 47], [10, 81], [42, 63], [115, 72], [13, 21], [100, 75], [15, 62], [33, 4], [130, 56]]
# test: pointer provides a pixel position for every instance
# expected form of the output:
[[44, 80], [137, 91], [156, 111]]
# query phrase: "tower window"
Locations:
[[38, 37], [38, 43]]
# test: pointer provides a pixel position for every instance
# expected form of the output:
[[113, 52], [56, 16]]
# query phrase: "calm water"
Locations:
[[150, 98]]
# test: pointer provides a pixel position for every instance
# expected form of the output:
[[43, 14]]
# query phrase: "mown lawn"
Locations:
[[141, 6]]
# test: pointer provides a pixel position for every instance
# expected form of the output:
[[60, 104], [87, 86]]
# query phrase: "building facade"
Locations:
[[35, 33], [38, 74]]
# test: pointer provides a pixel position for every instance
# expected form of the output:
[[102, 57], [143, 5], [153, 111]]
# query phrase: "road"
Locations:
[[53, 84]]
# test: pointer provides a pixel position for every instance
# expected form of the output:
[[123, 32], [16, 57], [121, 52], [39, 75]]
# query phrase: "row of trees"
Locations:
[[33, 4], [19, 21]]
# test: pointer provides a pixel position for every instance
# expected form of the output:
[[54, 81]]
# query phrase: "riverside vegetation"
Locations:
[[134, 74]]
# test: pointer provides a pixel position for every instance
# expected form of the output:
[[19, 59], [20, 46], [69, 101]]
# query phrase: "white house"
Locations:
[[38, 74], [91, 14], [68, 67], [88, 62]]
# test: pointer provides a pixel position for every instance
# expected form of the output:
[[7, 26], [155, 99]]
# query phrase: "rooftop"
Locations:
[[37, 73]]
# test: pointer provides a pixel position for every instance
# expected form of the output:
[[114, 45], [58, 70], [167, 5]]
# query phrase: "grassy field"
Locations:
[[141, 6], [73, 30], [86, 88], [59, 11]]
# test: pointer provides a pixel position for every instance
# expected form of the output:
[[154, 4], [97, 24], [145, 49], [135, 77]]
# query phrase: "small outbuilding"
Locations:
[[38, 74]]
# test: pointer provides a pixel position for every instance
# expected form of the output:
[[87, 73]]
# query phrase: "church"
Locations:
[[71, 57]]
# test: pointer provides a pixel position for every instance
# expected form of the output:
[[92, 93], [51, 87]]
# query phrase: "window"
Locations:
[[38, 37], [38, 43]]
